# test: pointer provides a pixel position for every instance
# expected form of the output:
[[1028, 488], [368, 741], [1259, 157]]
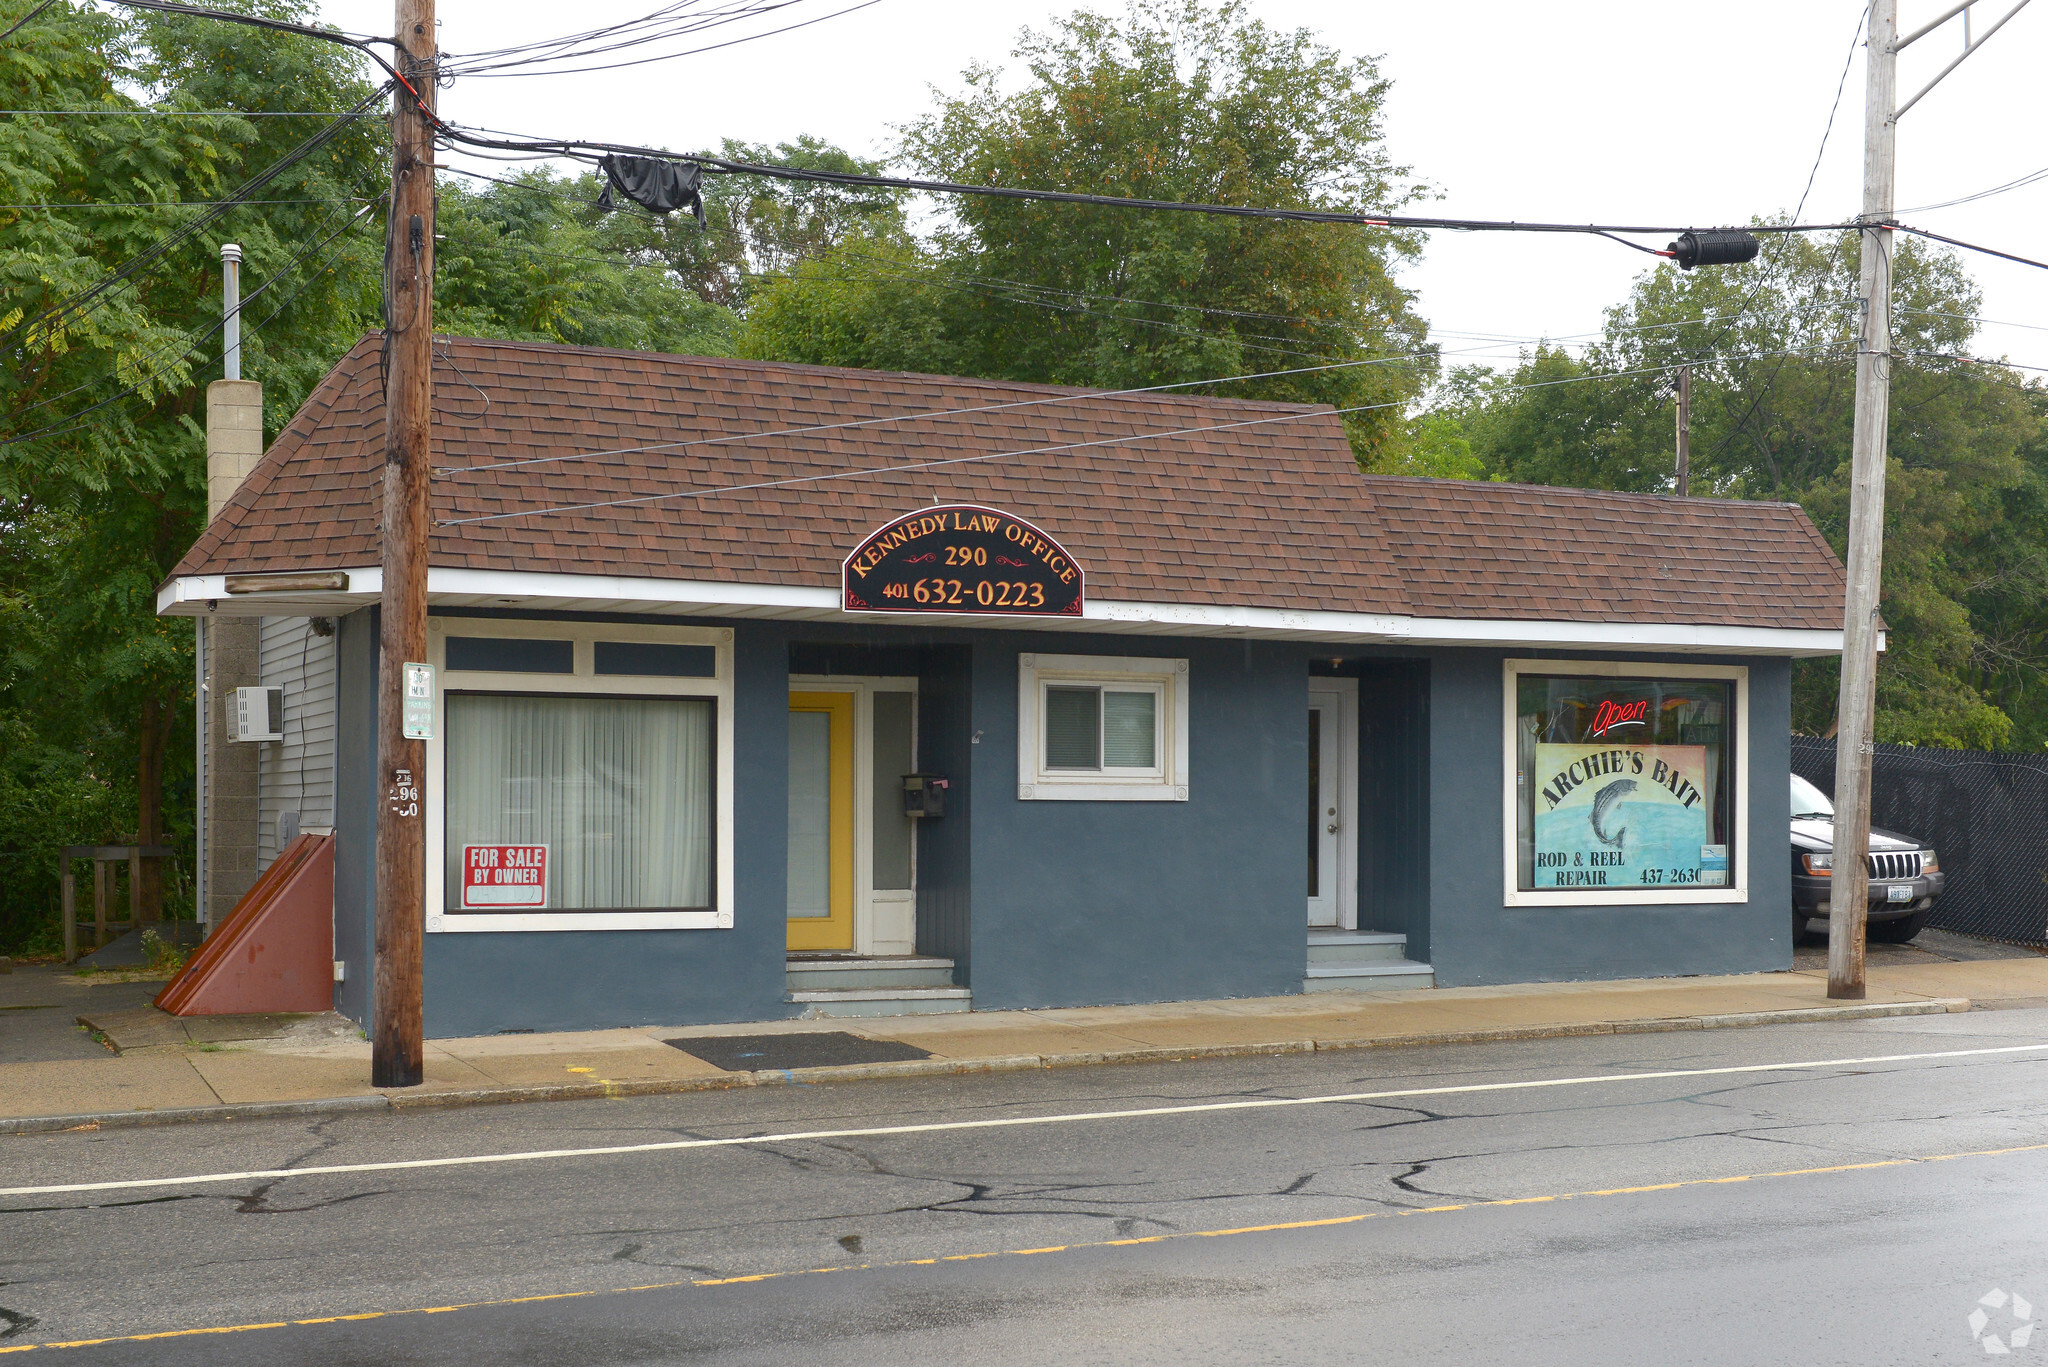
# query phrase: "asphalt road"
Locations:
[[1816, 1214]]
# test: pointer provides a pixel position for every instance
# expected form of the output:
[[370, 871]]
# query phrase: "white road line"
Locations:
[[935, 1127]]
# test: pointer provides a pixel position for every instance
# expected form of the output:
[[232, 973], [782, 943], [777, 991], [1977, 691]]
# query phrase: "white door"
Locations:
[[1332, 796]]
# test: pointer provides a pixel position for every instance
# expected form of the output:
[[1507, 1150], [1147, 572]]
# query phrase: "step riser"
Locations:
[[1357, 954], [911, 1006], [818, 980], [1378, 982]]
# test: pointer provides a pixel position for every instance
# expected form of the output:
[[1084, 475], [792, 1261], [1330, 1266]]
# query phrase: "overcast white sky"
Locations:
[[1620, 111]]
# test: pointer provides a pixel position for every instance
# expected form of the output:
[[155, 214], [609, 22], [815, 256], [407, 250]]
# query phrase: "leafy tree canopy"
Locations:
[[1772, 350], [1176, 100]]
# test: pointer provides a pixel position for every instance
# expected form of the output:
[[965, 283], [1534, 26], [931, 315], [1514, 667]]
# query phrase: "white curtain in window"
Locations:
[[618, 789]]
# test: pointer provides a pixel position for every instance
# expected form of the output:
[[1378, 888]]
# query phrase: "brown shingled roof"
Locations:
[[1269, 511]]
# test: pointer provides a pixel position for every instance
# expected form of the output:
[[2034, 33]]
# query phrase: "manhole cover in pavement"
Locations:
[[811, 1049]]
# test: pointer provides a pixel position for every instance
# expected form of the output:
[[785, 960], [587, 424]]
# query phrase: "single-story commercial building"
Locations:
[[761, 690]]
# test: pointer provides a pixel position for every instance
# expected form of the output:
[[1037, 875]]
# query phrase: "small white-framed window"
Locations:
[[1102, 728], [579, 777], [1628, 783]]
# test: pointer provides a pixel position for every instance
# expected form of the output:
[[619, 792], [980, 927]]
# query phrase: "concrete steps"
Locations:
[[1362, 961], [847, 985]]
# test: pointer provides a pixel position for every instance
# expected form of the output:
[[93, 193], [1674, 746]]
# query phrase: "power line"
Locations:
[[184, 113], [1318, 412], [22, 22], [549, 189], [74, 420], [1969, 246], [172, 203], [2016, 184], [595, 151], [670, 56], [1085, 396], [77, 306], [161, 358]]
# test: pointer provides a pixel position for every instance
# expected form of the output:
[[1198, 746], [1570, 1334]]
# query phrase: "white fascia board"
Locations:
[[198, 595]]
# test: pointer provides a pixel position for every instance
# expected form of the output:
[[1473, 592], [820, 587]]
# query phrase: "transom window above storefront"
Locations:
[[1102, 728], [1627, 783], [579, 776]]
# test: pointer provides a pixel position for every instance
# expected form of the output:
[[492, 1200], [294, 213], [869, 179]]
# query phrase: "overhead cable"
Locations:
[[912, 467], [75, 420], [593, 151], [1968, 246], [78, 305]]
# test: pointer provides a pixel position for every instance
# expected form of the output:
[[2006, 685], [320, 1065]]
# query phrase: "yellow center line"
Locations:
[[1285, 1226]]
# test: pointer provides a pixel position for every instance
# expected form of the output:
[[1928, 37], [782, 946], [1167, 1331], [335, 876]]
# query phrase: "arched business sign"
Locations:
[[962, 559]]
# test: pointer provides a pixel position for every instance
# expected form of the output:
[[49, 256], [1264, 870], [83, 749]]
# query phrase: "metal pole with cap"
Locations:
[[231, 310]]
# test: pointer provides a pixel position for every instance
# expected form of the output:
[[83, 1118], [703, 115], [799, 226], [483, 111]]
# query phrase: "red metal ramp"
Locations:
[[275, 951]]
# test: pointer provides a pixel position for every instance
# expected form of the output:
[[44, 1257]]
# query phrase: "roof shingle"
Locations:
[[1264, 508]]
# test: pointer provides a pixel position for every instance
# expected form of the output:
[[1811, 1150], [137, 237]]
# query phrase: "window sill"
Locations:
[[579, 920], [1627, 897], [1067, 790]]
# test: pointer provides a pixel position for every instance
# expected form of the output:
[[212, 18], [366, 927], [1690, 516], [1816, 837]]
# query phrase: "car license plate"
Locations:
[[1898, 892]]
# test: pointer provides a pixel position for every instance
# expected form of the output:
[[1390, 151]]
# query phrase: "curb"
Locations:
[[945, 1067]]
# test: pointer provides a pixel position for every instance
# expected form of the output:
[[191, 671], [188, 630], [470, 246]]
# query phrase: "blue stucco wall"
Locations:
[[574, 980], [1475, 939], [1080, 903], [1095, 902]]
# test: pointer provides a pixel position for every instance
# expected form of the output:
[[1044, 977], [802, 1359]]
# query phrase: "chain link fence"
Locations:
[[1985, 814]]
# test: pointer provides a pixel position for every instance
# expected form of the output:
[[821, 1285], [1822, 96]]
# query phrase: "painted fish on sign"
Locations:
[[965, 560], [1625, 816]]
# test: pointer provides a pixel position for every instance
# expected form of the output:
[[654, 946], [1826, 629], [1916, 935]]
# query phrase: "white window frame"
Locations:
[[1167, 783], [583, 680], [1738, 777]]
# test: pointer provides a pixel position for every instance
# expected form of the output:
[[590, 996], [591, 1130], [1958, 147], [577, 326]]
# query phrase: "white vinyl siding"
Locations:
[[297, 773]]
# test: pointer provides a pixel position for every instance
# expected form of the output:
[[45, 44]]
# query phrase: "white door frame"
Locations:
[[884, 922], [1338, 700]]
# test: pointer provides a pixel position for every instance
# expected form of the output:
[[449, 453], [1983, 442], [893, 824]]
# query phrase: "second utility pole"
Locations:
[[397, 1025], [1683, 480], [1855, 711]]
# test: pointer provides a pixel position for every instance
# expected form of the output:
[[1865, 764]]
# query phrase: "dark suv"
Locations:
[[1905, 876]]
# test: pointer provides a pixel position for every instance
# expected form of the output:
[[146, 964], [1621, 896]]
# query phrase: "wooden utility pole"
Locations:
[[1684, 480], [395, 1039], [1855, 710]]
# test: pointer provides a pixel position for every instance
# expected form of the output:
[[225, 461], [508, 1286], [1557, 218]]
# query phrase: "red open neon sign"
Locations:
[[1611, 714]]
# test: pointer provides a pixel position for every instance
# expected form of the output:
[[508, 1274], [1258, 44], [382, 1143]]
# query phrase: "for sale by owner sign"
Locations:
[[504, 877]]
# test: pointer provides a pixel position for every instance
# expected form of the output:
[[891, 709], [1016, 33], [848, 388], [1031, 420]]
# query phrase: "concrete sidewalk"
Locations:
[[161, 1069]]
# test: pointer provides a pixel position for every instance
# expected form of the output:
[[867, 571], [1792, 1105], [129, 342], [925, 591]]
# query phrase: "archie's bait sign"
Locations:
[[962, 559], [1625, 816]]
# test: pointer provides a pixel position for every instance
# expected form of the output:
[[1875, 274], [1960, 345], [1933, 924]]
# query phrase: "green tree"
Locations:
[[536, 260], [1771, 348], [1174, 101], [102, 466]]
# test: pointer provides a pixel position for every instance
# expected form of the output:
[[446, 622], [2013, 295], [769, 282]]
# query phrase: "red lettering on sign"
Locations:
[[1611, 714]]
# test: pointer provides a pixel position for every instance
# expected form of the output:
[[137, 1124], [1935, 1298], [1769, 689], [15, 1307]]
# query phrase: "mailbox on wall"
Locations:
[[924, 795]]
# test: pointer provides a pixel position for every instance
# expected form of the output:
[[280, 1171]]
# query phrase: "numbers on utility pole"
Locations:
[[403, 796]]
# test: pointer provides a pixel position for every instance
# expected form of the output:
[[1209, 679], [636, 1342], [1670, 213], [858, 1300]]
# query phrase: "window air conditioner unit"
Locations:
[[259, 714]]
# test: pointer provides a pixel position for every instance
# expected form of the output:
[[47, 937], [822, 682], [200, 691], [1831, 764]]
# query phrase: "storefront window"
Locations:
[[605, 803], [1623, 782]]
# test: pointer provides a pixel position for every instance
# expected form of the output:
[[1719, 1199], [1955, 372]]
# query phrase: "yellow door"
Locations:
[[821, 821]]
